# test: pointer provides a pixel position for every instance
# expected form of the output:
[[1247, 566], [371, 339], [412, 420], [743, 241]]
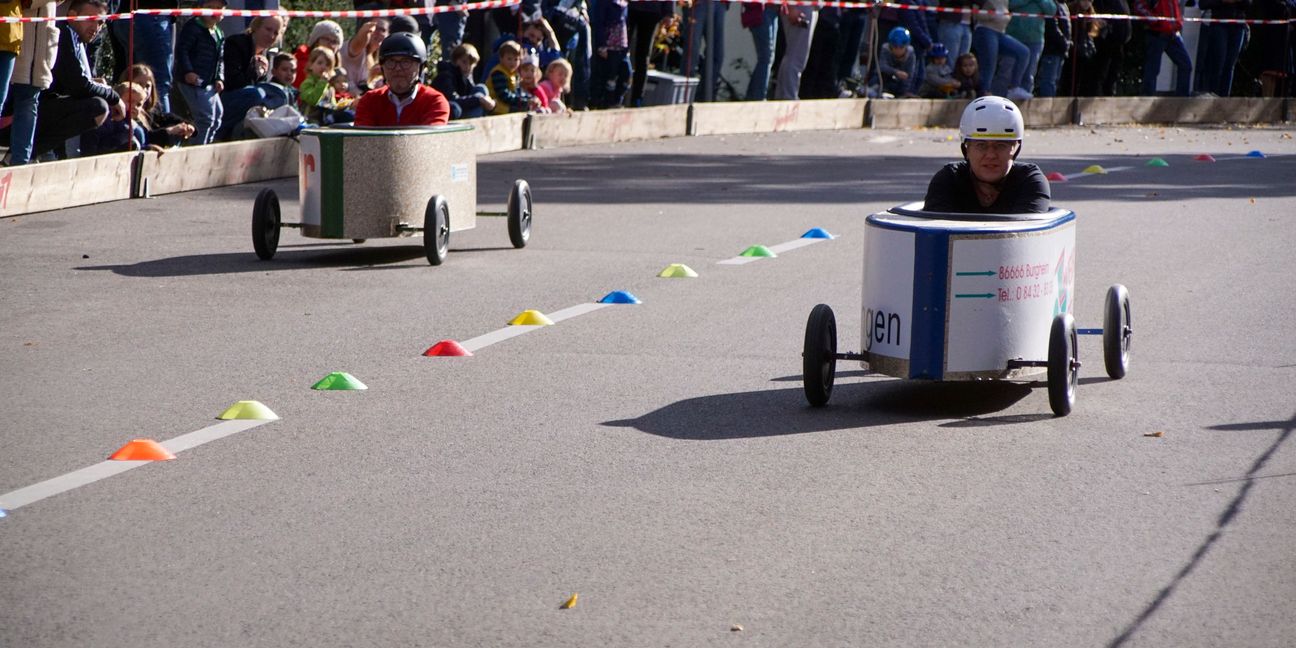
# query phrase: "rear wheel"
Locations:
[[819, 355], [436, 230], [265, 224], [1117, 331], [1063, 364], [519, 213]]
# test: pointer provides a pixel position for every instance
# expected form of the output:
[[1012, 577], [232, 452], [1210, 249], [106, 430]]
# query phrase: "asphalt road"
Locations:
[[659, 459]]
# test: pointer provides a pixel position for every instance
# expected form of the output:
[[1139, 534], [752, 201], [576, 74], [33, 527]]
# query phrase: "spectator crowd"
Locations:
[[82, 87]]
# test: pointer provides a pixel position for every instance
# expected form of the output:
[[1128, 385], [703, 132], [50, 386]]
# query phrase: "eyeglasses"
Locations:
[[400, 63], [983, 146]]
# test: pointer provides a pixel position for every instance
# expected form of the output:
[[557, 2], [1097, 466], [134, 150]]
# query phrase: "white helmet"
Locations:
[[992, 118]]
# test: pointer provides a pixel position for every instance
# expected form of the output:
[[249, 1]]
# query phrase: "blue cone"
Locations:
[[2, 513], [619, 297], [817, 233], [1255, 154]]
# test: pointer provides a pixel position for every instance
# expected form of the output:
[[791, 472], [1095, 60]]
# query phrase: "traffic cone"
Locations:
[[1095, 169], [248, 410], [531, 318], [448, 348], [1255, 154], [339, 381], [619, 297], [1157, 162], [817, 233], [758, 251], [1055, 177], [677, 271], [1205, 157], [142, 450]]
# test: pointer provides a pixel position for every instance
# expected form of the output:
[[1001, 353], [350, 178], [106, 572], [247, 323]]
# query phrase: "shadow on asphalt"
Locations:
[[1228, 516], [854, 405], [348, 258]]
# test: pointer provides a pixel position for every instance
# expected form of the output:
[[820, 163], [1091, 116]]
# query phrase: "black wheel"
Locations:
[[519, 213], [1063, 364], [265, 224], [436, 230], [1117, 331], [819, 356]]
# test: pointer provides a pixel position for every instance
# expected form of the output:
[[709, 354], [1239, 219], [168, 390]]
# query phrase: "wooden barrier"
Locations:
[[608, 126], [915, 113], [70, 183], [499, 133], [774, 116], [1179, 110], [217, 165]]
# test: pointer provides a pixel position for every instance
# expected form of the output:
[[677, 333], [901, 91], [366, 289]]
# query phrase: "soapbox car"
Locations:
[[361, 183], [969, 297]]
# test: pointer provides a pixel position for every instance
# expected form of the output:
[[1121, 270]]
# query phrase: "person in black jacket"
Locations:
[[1220, 45], [201, 70], [989, 180], [1057, 49], [454, 78], [74, 102], [247, 65]]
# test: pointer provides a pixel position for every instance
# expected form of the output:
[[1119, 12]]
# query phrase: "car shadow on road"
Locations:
[[782, 412], [351, 257]]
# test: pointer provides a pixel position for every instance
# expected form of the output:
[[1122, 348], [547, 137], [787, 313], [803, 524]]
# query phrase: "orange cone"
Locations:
[[142, 450]]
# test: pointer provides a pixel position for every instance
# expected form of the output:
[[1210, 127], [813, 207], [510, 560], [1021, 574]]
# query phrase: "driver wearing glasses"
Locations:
[[403, 100], [989, 180]]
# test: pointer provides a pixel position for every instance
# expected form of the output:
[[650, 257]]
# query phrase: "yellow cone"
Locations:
[[248, 410], [531, 318], [571, 602], [1094, 168], [678, 271]]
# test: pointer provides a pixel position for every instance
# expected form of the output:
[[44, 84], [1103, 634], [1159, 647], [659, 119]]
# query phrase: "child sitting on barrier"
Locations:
[[454, 79], [319, 69], [939, 81], [164, 129], [279, 89], [340, 85], [529, 80], [557, 81], [504, 85], [899, 64], [118, 136]]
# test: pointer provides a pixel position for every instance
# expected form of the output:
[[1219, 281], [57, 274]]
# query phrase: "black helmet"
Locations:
[[402, 44]]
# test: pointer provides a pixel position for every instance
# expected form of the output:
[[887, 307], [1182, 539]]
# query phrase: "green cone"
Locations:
[[339, 380]]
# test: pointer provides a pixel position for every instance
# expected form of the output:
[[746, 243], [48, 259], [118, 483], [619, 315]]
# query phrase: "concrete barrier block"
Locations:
[[56, 185], [1043, 112], [498, 133], [607, 126], [217, 165], [775, 116], [916, 113], [1179, 110]]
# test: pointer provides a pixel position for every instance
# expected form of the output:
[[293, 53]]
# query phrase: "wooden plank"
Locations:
[[56, 185], [1180, 110], [916, 113], [217, 165], [607, 126], [776, 116]]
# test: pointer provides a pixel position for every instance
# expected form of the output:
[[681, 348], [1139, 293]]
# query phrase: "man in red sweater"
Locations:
[[403, 100]]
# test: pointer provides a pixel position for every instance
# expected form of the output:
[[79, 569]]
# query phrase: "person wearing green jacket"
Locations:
[[1030, 31]]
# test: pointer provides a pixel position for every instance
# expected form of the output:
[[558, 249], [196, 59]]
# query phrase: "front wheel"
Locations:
[[819, 355], [265, 224], [519, 213], [436, 230], [1117, 331], [1063, 364]]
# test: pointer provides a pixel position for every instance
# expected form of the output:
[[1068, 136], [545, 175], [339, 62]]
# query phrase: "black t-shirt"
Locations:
[[1024, 191]]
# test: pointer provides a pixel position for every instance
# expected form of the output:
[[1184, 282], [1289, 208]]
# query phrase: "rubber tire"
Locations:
[[436, 238], [519, 213], [1063, 370], [265, 224], [819, 355], [1117, 331]]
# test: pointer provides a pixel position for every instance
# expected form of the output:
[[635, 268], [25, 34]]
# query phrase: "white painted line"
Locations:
[[776, 249], [792, 245], [483, 341], [105, 469], [579, 309]]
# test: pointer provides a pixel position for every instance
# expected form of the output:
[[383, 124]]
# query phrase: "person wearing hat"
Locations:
[[403, 100], [325, 33], [989, 180], [200, 67]]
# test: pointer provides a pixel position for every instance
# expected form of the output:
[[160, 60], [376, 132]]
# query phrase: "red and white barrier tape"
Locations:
[[493, 4]]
